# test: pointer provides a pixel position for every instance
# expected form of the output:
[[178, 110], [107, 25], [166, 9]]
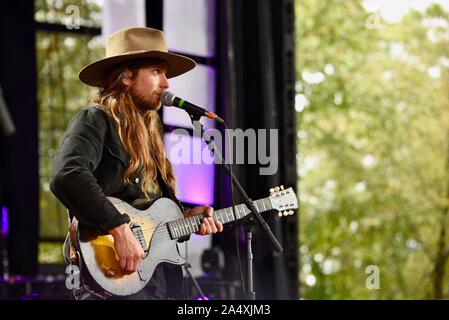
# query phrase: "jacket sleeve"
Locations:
[[73, 182]]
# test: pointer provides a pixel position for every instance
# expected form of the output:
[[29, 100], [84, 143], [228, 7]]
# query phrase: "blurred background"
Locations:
[[373, 156], [358, 91]]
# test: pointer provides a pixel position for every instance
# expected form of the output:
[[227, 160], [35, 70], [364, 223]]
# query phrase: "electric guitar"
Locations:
[[158, 230]]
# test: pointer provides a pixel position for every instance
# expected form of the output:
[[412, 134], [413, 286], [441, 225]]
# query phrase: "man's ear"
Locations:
[[126, 77]]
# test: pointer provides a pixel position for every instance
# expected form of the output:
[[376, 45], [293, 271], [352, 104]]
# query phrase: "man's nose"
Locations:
[[164, 82]]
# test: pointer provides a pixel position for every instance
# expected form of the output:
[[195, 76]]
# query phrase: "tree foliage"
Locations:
[[372, 102]]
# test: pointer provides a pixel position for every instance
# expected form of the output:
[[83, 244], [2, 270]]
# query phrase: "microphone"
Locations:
[[169, 99]]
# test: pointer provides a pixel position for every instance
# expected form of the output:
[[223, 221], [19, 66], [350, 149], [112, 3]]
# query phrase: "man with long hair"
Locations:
[[114, 148]]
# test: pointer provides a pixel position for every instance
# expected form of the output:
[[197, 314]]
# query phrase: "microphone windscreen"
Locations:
[[167, 98]]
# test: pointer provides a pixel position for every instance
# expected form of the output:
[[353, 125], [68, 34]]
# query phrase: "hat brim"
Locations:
[[94, 74]]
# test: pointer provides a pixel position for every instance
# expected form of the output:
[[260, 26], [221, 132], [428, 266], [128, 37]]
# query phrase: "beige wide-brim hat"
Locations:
[[131, 44]]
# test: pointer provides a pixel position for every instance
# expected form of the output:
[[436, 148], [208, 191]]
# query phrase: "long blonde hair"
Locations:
[[140, 132]]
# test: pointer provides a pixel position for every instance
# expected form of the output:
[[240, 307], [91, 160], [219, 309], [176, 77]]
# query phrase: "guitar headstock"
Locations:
[[283, 200]]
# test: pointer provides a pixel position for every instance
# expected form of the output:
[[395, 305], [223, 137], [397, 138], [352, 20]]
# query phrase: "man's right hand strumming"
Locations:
[[128, 248]]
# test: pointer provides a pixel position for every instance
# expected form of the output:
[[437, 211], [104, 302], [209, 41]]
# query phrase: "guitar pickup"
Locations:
[[138, 233]]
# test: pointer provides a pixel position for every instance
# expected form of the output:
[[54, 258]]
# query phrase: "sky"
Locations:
[[393, 10]]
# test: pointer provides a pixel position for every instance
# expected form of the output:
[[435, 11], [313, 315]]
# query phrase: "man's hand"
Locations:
[[208, 225], [128, 248]]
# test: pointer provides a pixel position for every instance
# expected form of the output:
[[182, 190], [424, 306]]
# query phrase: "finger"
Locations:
[[130, 264], [137, 260], [187, 213], [125, 267], [122, 263], [219, 226], [207, 225], [209, 211], [142, 254], [204, 228], [212, 225], [202, 231], [198, 210]]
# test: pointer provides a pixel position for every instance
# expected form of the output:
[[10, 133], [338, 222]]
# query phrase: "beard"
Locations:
[[143, 103]]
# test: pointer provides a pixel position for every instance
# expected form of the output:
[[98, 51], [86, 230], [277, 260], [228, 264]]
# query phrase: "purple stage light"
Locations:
[[5, 222], [195, 180]]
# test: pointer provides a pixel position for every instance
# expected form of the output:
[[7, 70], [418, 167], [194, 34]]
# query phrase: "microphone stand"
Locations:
[[195, 283], [251, 294]]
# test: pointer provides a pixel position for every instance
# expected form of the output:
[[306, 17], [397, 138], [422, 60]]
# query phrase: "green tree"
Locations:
[[373, 146]]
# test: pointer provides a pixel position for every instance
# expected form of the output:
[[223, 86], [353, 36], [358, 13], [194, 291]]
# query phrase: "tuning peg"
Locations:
[[276, 189], [271, 190], [279, 214], [282, 188], [291, 212]]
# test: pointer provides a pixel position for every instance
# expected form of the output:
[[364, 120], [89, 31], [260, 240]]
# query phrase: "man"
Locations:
[[115, 148]]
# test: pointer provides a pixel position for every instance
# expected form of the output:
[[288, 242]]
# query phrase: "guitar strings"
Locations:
[[162, 231], [164, 228], [166, 234]]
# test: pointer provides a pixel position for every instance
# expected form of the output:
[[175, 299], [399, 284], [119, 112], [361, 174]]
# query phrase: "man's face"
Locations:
[[147, 87]]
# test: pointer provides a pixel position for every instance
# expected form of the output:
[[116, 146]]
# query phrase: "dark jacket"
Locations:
[[89, 166]]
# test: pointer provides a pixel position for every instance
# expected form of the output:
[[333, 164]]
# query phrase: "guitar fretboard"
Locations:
[[184, 227]]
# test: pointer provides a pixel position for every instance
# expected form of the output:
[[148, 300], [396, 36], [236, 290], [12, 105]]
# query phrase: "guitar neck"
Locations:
[[186, 226]]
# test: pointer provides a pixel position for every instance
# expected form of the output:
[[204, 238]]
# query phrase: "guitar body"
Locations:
[[149, 227]]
